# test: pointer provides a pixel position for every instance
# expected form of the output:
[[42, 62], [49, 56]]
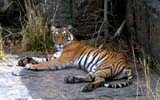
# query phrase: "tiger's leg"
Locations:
[[25, 60], [54, 64], [100, 77], [42, 66], [122, 75], [78, 79], [34, 60]]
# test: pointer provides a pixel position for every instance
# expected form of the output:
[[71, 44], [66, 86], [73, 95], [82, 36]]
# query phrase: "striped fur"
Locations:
[[100, 64]]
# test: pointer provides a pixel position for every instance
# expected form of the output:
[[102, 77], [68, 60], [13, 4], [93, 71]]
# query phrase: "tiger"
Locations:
[[98, 63]]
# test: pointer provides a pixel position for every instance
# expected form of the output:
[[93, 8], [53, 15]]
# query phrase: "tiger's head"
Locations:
[[61, 36]]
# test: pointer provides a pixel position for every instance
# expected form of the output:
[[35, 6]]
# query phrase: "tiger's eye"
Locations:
[[64, 33], [56, 33]]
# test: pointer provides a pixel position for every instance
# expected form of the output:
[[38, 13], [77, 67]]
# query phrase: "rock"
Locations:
[[143, 21], [17, 83]]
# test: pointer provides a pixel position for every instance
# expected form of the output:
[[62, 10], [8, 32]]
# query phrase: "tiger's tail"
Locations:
[[120, 85]]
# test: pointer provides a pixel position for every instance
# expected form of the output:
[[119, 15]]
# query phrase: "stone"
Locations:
[[17, 83], [143, 21]]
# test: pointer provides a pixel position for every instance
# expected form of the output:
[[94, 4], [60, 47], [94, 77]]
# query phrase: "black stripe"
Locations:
[[120, 71], [80, 58], [121, 85], [109, 56], [79, 63], [90, 76], [110, 71], [115, 69], [99, 58], [95, 62], [94, 56], [109, 75], [122, 66], [47, 58], [117, 66], [124, 84], [87, 57]]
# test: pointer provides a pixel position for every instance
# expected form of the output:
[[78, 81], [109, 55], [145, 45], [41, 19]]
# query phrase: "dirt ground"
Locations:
[[17, 83]]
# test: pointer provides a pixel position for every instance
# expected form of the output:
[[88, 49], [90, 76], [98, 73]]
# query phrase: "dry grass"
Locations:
[[35, 33], [147, 76], [2, 56], [157, 91], [157, 94], [145, 64]]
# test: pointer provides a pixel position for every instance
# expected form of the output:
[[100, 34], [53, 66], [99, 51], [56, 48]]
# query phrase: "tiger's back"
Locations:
[[94, 59]]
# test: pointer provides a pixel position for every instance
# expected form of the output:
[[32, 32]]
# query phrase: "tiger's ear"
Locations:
[[69, 27], [53, 28]]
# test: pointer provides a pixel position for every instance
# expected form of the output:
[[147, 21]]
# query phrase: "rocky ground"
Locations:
[[17, 83]]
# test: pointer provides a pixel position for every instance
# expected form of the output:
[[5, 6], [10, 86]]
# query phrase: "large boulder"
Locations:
[[144, 24]]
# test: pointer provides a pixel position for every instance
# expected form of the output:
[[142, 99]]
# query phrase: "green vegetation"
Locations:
[[35, 32]]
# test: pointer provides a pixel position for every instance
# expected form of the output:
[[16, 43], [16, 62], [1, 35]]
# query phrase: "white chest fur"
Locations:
[[57, 54]]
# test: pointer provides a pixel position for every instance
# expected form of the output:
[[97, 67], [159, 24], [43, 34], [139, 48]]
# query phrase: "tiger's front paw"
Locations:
[[24, 61], [87, 88], [72, 79]]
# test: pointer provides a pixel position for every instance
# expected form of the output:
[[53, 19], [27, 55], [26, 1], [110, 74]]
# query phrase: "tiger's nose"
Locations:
[[60, 44]]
